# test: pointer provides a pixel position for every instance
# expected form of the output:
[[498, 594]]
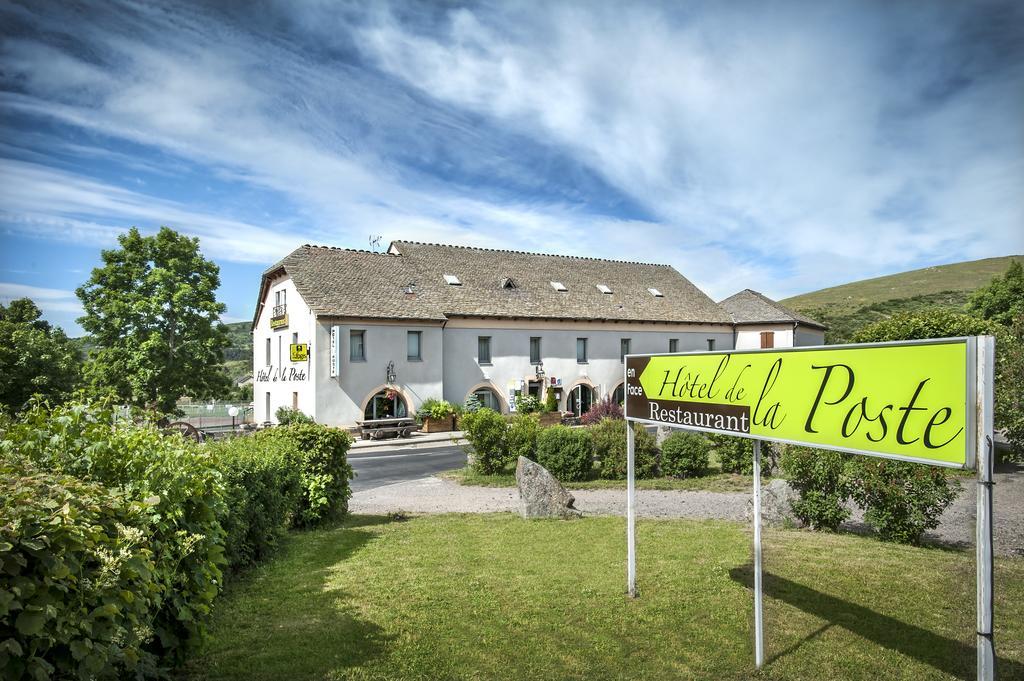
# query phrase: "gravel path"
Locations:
[[435, 495]]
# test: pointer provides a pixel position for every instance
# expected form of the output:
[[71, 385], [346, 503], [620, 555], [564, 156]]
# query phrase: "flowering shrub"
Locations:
[[605, 409], [528, 404]]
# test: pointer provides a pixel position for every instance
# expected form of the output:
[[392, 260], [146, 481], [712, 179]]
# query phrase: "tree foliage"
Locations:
[[153, 313], [1002, 301], [36, 358]]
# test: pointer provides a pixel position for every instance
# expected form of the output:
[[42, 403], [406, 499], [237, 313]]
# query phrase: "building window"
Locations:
[[581, 350], [711, 343], [295, 338], [356, 346], [623, 349], [767, 339], [483, 349], [619, 396], [673, 345], [413, 342], [535, 350], [488, 399], [295, 401], [280, 356], [266, 414], [280, 303], [268, 352]]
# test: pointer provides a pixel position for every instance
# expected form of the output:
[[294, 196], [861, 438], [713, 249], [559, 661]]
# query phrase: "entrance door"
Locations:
[[580, 399]]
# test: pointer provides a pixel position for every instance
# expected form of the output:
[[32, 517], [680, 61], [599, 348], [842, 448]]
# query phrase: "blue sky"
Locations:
[[781, 146]]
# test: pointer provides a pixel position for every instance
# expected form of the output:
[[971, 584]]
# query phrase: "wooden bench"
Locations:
[[378, 429]]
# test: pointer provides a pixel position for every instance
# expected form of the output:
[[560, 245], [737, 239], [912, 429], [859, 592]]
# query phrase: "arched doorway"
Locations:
[[580, 399], [488, 397], [619, 394], [386, 404]]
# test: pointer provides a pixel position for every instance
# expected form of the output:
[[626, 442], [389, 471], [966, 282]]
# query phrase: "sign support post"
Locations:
[[630, 511], [758, 596], [983, 521]]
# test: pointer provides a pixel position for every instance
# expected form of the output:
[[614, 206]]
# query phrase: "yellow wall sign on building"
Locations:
[[279, 322], [299, 352], [911, 401]]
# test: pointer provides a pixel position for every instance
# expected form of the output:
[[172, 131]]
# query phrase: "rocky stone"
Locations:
[[777, 499], [540, 494]]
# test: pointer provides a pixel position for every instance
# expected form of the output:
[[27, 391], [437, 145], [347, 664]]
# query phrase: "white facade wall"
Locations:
[[807, 336], [342, 399], [748, 337], [510, 353], [287, 383]]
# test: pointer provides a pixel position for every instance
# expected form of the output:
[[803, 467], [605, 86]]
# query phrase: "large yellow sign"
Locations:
[[909, 401], [298, 352]]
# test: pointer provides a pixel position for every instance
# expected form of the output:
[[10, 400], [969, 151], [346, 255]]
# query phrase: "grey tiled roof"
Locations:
[[751, 307], [350, 283]]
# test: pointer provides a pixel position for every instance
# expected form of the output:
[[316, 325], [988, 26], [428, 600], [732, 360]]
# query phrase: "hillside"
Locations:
[[847, 308], [961, 277]]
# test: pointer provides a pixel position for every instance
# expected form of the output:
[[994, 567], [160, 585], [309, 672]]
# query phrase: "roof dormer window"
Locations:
[[452, 280], [656, 293], [604, 289], [558, 286], [508, 283]]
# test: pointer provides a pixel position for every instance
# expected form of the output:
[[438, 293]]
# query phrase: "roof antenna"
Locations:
[[375, 242]]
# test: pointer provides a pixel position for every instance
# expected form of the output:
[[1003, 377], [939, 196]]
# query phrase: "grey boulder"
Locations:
[[777, 499], [540, 494]]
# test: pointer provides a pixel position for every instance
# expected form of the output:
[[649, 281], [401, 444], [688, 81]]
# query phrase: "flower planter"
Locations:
[[550, 418], [437, 425]]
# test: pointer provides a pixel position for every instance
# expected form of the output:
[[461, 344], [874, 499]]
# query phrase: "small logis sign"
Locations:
[[298, 352], [910, 400]]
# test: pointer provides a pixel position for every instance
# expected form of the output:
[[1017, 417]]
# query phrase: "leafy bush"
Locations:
[[685, 455], [566, 452], [527, 404], [735, 454], [435, 409], [319, 452], [901, 500], [822, 481], [608, 437], [550, 401], [487, 432], [176, 475], [523, 430], [79, 589], [287, 415], [605, 409], [262, 488]]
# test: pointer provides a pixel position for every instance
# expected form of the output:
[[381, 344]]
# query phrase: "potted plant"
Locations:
[[436, 415]]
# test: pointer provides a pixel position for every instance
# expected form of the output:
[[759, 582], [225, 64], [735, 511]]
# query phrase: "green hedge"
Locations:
[[685, 455], [523, 429], [608, 437], [320, 455], [735, 454], [176, 476], [821, 478], [79, 588], [262, 488], [487, 433], [566, 452]]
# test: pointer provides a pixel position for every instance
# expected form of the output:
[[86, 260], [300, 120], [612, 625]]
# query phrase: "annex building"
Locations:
[[385, 331]]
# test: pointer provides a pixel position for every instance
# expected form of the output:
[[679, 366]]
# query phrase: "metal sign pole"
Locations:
[[758, 598], [983, 522], [630, 512]]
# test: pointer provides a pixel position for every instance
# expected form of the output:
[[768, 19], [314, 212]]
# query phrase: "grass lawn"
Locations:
[[713, 482], [497, 597]]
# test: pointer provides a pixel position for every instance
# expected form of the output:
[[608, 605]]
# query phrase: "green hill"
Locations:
[[849, 307]]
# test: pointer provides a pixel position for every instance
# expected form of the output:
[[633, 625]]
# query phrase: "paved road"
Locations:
[[378, 467]]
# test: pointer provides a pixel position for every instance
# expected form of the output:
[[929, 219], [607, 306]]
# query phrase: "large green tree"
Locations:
[[37, 359], [1002, 302], [153, 313]]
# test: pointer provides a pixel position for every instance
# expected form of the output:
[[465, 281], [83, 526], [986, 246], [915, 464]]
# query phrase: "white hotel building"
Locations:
[[388, 330]]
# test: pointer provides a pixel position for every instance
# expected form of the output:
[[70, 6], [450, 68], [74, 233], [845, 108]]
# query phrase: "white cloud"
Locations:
[[763, 143], [49, 300]]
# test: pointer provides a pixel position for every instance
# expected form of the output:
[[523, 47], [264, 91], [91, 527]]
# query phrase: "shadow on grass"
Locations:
[[944, 654], [287, 619]]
